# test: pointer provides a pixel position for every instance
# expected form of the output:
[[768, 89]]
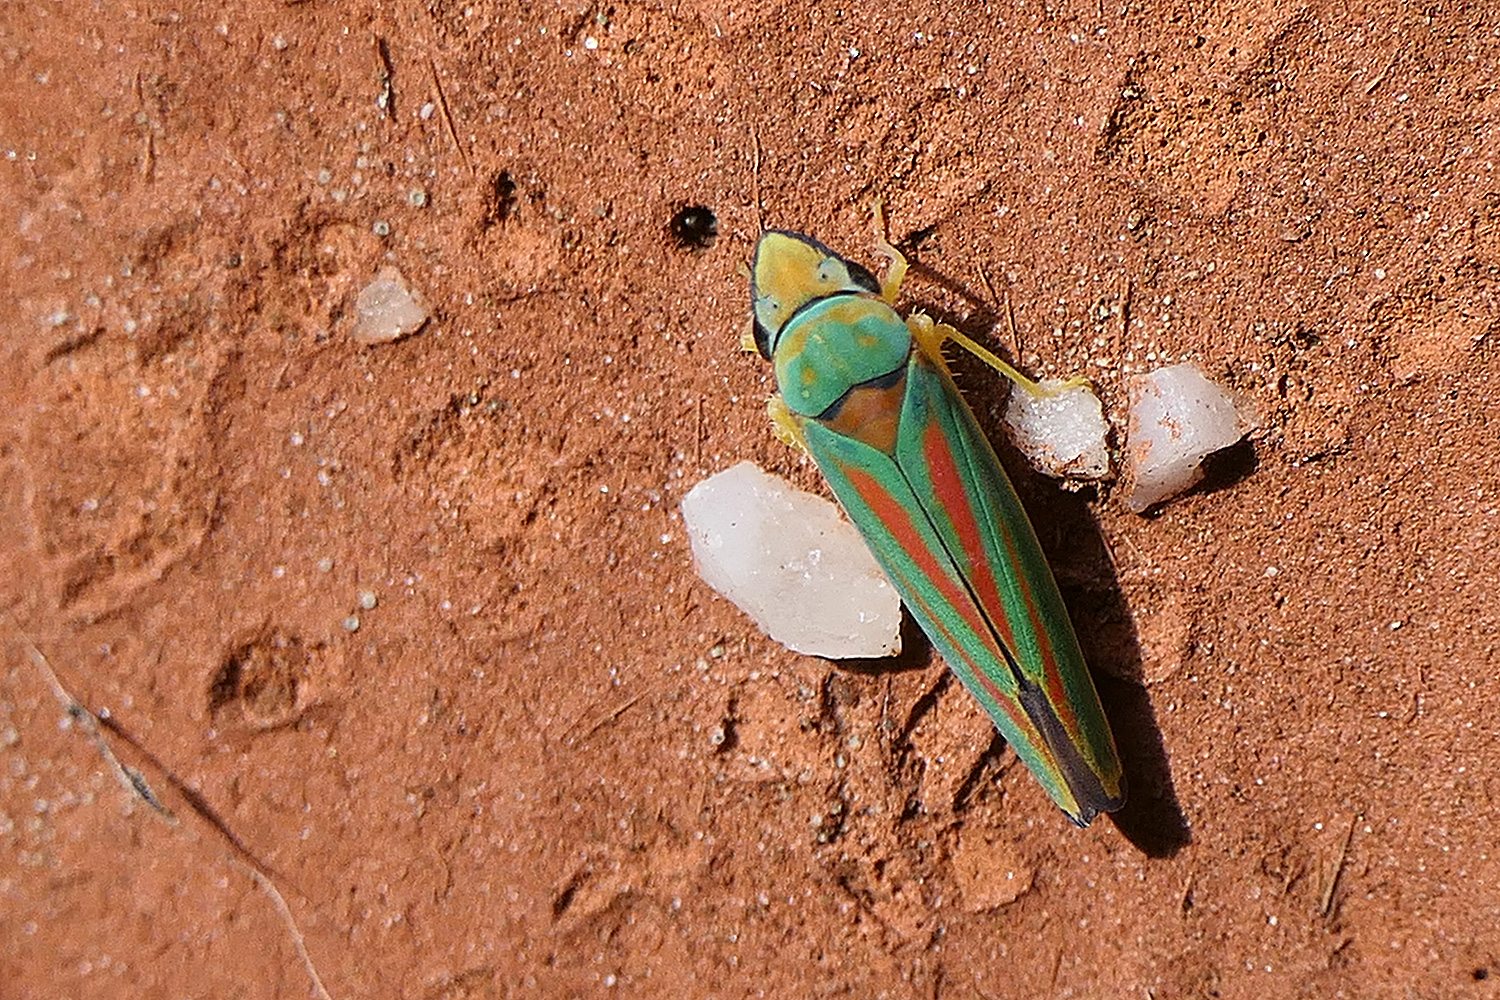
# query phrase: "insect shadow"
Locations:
[[1152, 818]]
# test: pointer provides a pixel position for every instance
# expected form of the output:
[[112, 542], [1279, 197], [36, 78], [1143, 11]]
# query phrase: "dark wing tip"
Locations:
[[1083, 781], [1093, 801]]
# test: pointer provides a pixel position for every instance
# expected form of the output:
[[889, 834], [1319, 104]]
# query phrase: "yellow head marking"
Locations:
[[792, 270], [789, 273]]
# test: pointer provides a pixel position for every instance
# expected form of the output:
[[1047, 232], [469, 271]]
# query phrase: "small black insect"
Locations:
[[501, 199], [695, 227]]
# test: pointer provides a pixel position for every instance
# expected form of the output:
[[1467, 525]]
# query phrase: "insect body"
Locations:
[[870, 398]]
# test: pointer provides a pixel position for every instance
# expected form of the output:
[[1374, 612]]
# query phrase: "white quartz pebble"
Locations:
[[1177, 419], [1061, 430], [791, 561], [387, 309]]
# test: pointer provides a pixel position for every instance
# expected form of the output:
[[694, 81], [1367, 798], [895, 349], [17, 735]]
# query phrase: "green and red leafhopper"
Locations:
[[870, 398]]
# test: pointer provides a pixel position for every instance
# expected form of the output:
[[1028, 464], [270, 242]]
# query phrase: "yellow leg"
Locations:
[[931, 337], [890, 286], [783, 424], [747, 337]]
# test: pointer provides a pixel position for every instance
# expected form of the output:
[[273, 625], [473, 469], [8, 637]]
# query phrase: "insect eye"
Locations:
[[833, 272]]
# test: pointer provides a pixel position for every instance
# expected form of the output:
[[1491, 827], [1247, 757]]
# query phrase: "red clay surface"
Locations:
[[548, 761]]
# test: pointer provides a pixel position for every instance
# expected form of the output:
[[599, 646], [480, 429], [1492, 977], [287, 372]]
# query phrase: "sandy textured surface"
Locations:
[[410, 632]]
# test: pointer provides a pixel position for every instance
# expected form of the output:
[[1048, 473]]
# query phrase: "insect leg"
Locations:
[[783, 425], [931, 336], [890, 287]]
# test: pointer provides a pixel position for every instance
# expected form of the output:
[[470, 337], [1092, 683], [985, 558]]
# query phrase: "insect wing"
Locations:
[[942, 518]]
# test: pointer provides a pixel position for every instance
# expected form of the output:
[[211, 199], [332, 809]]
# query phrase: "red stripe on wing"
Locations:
[[898, 521], [953, 498]]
